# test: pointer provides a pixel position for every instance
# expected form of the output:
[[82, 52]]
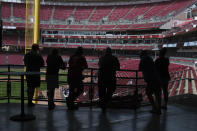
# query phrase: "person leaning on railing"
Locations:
[[108, 65], [54, 63], [153, 81], [77, 63], [33, 62], [162, 64]]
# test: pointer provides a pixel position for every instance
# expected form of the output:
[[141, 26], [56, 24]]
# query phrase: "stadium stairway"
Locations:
[[92, 12], [183, 82]]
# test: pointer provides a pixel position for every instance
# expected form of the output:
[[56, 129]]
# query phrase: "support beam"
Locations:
[[36, 21]]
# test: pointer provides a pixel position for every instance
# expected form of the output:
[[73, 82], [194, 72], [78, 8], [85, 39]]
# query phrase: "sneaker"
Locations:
[[51, 106]]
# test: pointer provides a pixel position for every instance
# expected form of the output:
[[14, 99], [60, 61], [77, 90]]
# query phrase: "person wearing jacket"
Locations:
[[33, 62], [108, 65], [54, 63], [77, 63], [153, 81]]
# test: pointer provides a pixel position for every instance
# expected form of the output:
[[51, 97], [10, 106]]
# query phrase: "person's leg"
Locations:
[[33, 81], [149, 93], [71, 96], [110, 90], [165, 93], [158, 99], [30, 94], [50, 93], [151, 100], [30, 90], [80, 89], [102, 97]]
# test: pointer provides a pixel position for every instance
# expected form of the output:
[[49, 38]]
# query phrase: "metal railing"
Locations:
[[129, 83]]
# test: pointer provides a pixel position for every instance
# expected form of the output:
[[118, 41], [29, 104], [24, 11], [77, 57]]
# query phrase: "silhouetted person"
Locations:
[[151, 77], [54, 63], [162, 64], [77, 63], [108, 65], [33, 62]]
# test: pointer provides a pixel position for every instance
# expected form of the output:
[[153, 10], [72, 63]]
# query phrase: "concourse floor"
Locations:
[[178, 117]]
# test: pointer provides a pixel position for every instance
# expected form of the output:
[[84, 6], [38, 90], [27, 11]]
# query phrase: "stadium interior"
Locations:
[[127, 27]]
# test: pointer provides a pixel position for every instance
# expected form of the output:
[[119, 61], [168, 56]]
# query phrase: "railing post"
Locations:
[[91, 94], [136, 80], [136, 89], [8, 85], [22, 96]]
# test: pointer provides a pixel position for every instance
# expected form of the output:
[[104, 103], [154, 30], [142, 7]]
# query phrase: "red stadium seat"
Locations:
[[45, 12], [62, 12], [119, 12], [100, 12], [6, 10], [10, 39], [19, 10], [82, 12]]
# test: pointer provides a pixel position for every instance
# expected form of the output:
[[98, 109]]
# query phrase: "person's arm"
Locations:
[[169, 78], [99, 63], [85, 65], [156, 64], [25, 60], [47, 60], [140, 66], [117, 64], [168, 61], [69, 62], [41, 61]]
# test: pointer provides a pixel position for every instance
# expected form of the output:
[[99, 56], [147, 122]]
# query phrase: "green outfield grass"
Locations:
[[16, 86]]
